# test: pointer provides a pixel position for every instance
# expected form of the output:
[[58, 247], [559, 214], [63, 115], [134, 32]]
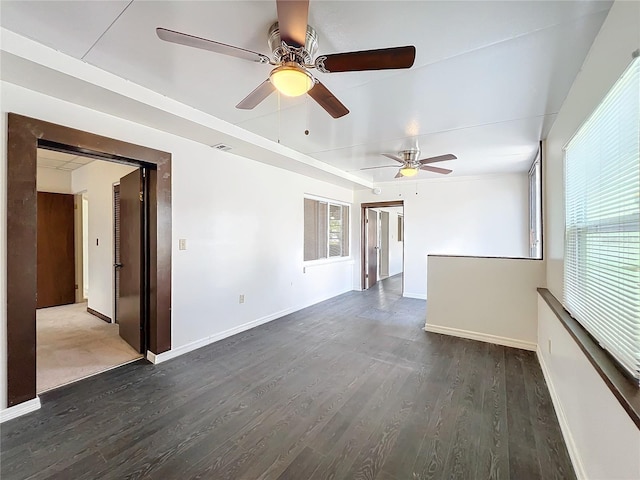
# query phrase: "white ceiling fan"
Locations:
[[410, 165]]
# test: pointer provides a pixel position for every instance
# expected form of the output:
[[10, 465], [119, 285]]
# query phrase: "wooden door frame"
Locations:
[[24, 137], [363, 236]]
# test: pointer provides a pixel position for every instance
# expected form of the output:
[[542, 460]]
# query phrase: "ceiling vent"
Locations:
[[222, 147]]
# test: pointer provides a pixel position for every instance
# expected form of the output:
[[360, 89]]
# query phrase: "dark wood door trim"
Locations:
[[24, 136], [363, 236]]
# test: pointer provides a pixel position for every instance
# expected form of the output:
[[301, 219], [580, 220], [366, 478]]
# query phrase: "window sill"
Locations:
[[622, 387], [327, 261]]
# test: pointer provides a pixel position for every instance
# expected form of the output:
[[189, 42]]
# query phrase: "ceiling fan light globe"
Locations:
[[408, 171], [291, 80]]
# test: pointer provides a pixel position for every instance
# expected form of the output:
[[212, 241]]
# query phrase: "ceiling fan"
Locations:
[[293, 43], [411, 165]]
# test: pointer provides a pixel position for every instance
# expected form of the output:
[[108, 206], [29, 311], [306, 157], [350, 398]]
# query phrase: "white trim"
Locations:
[[176, 352], [20, 409], [483, 337], [419, 296], [562, 420], [310, 196]]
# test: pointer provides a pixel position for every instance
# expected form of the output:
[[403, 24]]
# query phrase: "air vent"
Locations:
[[222, 147]]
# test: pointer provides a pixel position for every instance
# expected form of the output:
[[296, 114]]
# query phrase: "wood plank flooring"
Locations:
[[351, 388]]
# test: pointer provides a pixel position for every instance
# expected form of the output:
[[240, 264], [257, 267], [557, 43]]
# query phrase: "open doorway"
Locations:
[[25, 136], [76, 330], [382, 241]]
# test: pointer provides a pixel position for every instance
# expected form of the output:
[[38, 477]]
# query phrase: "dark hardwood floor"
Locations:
[[351, 388]]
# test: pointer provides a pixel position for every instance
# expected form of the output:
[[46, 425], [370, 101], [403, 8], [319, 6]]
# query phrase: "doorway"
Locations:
[[25, 135], [382, 238], [76, 333]]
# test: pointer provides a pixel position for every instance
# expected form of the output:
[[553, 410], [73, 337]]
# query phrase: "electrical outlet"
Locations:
[[241, 300], [182, 244], [549, 345]]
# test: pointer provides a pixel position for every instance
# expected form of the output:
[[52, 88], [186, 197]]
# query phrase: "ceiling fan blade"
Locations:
[[393, 157], [398, 175], [443, 171], [381, 59], [440, 158], [261, 92], [292, 21], [205, 44], [381, 166], [327, 100]]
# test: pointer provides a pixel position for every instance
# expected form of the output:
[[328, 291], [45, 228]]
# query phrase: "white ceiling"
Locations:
[[488, 79], [60, 161]]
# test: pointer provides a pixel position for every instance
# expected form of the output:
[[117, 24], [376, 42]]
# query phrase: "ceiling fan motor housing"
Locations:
[[287, 53], [410, 156]]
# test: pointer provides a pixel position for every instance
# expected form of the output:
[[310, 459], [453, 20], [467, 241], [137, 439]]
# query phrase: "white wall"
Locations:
[[488, 299], [603, 441], [243, 221], [53, 181], [480, 216], [606, 440], [97, 180]]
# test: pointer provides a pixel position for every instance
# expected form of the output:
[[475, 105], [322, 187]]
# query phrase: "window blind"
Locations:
[[315, 229], [338, 231], [326, 230], [602, 222]]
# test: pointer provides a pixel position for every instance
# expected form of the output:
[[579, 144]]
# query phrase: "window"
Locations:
[[400, 228], [326, 229], [602, 234], [535, 208]]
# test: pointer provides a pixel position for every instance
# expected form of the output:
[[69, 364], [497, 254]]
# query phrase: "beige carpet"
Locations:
[[72, 344]]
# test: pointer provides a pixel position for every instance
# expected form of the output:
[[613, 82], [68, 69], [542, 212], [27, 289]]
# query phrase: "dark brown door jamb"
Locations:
[[24, 136]]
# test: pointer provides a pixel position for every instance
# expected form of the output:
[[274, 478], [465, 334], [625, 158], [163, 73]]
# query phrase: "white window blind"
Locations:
[[602, 239]]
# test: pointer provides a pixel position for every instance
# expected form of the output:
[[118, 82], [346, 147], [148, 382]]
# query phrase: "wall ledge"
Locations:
[[620, 385], [482, 337]]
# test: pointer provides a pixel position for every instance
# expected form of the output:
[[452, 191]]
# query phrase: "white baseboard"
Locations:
[[189, 347], [483, 337], [419, 296], [562, 420], [20, 409]]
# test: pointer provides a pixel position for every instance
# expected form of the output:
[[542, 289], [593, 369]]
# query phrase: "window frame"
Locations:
[[595, 225], [535, 208], [328, 259]]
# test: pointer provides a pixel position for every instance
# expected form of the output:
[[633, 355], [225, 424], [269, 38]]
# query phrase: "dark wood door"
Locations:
[[130, 278], [55, 250], [372, 248]]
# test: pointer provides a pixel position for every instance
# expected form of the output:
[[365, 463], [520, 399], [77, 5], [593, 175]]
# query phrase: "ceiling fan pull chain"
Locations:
[[306, 114]]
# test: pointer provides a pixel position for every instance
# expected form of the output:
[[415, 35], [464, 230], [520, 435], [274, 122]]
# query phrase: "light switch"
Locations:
[[182, 244]]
